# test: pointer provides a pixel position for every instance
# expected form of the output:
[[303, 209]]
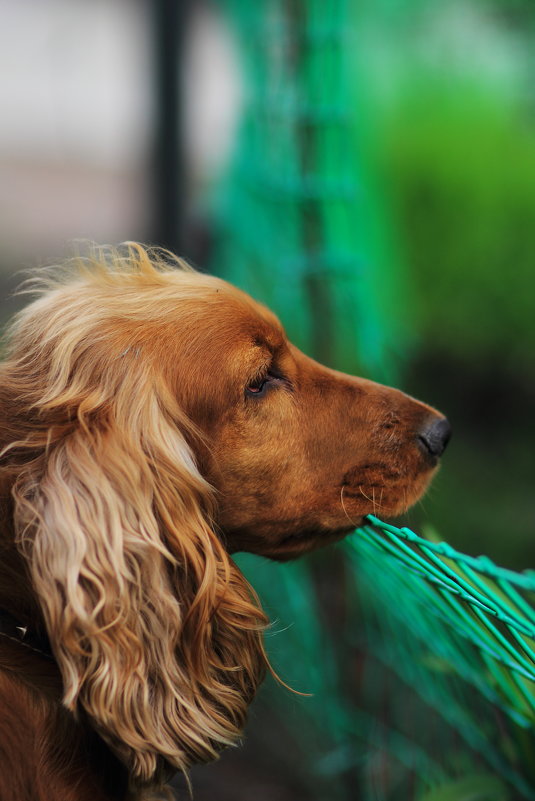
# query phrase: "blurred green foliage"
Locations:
[[479, 787], [449, 129], [462, 168]]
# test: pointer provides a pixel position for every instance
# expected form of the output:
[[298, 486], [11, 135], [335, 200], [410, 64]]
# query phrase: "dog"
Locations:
[[153, 421]]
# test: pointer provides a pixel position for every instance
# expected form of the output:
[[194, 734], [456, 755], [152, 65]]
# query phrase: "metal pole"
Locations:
[[170, 19]]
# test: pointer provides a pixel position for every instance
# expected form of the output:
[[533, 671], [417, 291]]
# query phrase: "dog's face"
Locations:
[[299, 453]]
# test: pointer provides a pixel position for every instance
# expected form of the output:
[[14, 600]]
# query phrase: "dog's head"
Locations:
[[299, 453], [153, 420]]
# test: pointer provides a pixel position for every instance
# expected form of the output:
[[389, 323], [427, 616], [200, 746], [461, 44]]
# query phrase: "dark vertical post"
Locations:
[[170, 22]]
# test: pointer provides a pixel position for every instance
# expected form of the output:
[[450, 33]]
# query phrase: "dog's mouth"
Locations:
[[385, 488], [291, 539], [391, 502]]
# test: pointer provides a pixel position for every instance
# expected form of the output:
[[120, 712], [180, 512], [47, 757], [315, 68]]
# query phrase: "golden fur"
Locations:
[[139, 447]]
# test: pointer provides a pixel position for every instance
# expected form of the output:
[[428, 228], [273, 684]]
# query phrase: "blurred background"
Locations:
[[367, 168]]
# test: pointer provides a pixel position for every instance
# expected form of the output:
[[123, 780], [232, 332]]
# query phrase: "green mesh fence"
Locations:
[[485, 613], [461, 631], [297, 217], [427, 685]]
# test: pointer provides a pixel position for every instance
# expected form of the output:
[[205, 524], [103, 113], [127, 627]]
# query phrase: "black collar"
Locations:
[[12, 629]]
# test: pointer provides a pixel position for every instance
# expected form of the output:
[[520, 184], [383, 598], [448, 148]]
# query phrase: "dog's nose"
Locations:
[[434, 437]]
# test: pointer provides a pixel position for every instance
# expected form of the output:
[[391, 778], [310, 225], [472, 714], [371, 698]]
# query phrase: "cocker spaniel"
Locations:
[[154, 420]]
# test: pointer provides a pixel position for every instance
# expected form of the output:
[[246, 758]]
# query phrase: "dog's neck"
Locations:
[[74, 762]]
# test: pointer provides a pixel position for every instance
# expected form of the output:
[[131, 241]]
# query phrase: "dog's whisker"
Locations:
[[353, 523], [377, 505]]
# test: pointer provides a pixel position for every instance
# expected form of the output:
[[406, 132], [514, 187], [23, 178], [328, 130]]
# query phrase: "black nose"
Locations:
[[434, 437]]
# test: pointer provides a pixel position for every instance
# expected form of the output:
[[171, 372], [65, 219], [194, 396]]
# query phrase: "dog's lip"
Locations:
[[302, 542], [298, 543]]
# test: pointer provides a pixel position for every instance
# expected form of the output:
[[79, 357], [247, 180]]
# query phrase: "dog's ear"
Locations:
[[156, 632]]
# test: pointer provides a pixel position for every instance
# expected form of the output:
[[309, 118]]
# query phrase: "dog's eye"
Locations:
[[258, 387], [261, 385]]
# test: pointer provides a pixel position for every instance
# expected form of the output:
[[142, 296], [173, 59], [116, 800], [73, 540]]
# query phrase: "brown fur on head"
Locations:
[[153, 420]]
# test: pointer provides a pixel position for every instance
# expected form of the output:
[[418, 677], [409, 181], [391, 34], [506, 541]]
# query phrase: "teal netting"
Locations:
[[296, 216], [447, 622]]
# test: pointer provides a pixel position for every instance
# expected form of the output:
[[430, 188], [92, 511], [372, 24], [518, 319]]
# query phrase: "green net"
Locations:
[[296, 218], [461, 631]]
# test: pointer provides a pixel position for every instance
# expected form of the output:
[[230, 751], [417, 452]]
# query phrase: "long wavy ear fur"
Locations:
[[157, 634]]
